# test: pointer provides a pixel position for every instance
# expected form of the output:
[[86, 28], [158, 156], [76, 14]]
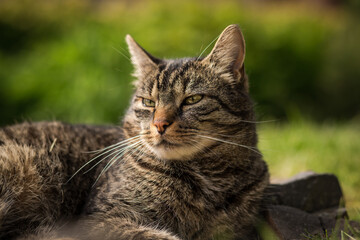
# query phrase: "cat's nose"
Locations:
[[163, 118], [161, 125]]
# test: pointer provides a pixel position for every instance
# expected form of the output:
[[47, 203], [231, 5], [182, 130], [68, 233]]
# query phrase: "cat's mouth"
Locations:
[[166, 144], [169, 150]]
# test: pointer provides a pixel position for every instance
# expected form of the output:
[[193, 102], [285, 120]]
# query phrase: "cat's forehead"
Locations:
[[174, 77]]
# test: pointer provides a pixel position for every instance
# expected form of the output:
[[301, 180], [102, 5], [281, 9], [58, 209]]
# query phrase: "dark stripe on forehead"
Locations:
[[158, 76], [188, 80], [164, 79], [152, 83], [166, 76], [185, 83], [182, 70], [178, 67]]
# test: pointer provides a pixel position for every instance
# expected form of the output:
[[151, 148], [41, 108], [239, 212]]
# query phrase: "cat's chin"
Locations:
[[177, 152]]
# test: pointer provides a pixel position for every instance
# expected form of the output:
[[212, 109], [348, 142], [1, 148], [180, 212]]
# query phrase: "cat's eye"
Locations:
[[148, 103], [193, 99]]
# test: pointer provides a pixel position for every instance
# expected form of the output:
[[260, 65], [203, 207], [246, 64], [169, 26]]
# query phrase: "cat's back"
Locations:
[[36, 162]]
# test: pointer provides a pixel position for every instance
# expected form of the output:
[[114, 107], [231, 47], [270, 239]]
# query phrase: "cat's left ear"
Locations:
[[228, 55], [143, 62]]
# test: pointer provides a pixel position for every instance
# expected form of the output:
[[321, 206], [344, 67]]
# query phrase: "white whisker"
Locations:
[[123, 54], [114, 151], [257, 122], [112, 148], [203, 149], [140, 149], [232, 143], [207, 47], [115, 159], [121, 142]]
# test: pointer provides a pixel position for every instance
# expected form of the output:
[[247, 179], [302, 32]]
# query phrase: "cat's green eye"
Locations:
[[193, 99], [148, 102]]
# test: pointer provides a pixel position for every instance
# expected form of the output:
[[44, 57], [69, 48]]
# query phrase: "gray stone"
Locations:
[[292, 223], [307, 191], [333, 213], [308, 205], [340, 226]]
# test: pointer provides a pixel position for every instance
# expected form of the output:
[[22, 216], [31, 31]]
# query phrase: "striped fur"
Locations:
[[183, 170]]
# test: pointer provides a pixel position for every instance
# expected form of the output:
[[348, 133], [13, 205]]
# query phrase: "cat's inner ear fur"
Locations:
[[143, 62], [228, 55]]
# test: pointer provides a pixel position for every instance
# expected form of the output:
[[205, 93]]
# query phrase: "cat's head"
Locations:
[[180, 107]]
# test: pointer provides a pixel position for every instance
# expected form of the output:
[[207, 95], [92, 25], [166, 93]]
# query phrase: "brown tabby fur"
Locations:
[[186, 170]]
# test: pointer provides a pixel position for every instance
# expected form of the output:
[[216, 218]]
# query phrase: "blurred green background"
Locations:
[[67, 60]]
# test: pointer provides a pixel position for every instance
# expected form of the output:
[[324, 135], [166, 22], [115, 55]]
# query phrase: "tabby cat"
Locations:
[[184, 164]]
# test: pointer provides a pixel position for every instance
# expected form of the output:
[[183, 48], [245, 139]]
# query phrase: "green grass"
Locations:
[[322, 148], [342, 231]]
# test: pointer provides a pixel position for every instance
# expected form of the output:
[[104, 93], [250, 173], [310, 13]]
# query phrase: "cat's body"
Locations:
[[36, 159], [188, 164]]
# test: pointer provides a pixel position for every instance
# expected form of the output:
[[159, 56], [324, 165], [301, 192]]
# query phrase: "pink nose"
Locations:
[[161, 125]]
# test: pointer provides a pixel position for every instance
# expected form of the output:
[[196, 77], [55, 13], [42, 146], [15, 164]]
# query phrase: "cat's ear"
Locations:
[[143, 62], [228, 55]]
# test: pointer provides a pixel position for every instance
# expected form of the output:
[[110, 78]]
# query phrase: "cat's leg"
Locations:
[[100, 228], [245, 213], [44, 233], [23, 189], [117, 228]]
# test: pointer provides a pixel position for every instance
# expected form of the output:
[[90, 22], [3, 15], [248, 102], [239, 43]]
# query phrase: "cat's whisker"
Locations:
[[107, 156], [222, 118], [137, 145], [204, 148], [232, 143], [215, 154], [124, 55], [195, 132], [259, 122], [197, 59], [115, 159], [238, 135], [112, 150], [120, 52], [123, 151], [141, 151], [113, 147], [201, 149]]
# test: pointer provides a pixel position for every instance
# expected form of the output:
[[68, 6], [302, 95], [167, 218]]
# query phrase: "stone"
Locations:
[[340, 226], [306, 191], [333, 213], [308, 206], [292, 223]]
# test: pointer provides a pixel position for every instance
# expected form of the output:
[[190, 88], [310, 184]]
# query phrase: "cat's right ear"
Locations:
[[228, 55], [143, 62]]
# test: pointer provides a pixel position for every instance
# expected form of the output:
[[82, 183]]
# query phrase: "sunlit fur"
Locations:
[[174, 171]]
